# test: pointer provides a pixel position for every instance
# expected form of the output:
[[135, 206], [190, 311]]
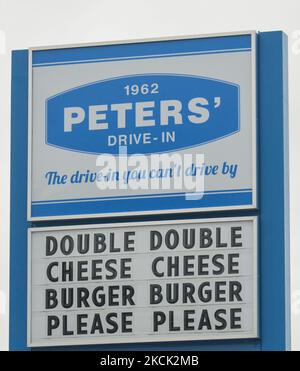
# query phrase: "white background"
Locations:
[[25, 23]]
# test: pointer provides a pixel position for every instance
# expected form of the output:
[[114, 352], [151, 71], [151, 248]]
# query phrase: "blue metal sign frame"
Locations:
[[273, 212]]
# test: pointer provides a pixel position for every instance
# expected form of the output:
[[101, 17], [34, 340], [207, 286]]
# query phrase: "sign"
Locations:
[[143, 282], [135, 127]]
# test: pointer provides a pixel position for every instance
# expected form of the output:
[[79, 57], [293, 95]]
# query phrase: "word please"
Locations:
[[115, 322], [145, 114]]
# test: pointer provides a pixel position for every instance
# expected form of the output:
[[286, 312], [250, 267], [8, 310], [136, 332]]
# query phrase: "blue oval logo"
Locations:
[[149, 113]]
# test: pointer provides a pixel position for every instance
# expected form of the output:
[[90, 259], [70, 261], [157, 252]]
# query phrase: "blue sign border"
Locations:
[[273, 214], [141, 50]]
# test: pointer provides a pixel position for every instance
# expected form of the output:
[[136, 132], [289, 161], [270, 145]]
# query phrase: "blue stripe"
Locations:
[[141, 49], [141, 57], [138, 196], [148, 204]]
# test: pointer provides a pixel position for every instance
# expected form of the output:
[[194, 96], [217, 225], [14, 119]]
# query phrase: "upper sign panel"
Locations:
[[143, 127]]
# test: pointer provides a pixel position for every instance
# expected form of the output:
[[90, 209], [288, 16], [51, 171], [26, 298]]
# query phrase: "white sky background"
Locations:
[[25, 23]]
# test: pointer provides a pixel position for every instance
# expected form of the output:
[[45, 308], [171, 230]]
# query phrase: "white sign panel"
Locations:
[[143, 282], [143, 127]]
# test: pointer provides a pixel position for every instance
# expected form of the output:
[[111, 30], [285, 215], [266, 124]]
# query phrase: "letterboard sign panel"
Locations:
[[110, 123], [143, 282]]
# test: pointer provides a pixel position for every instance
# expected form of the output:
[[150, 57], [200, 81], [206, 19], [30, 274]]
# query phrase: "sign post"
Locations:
[[184, 96]]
